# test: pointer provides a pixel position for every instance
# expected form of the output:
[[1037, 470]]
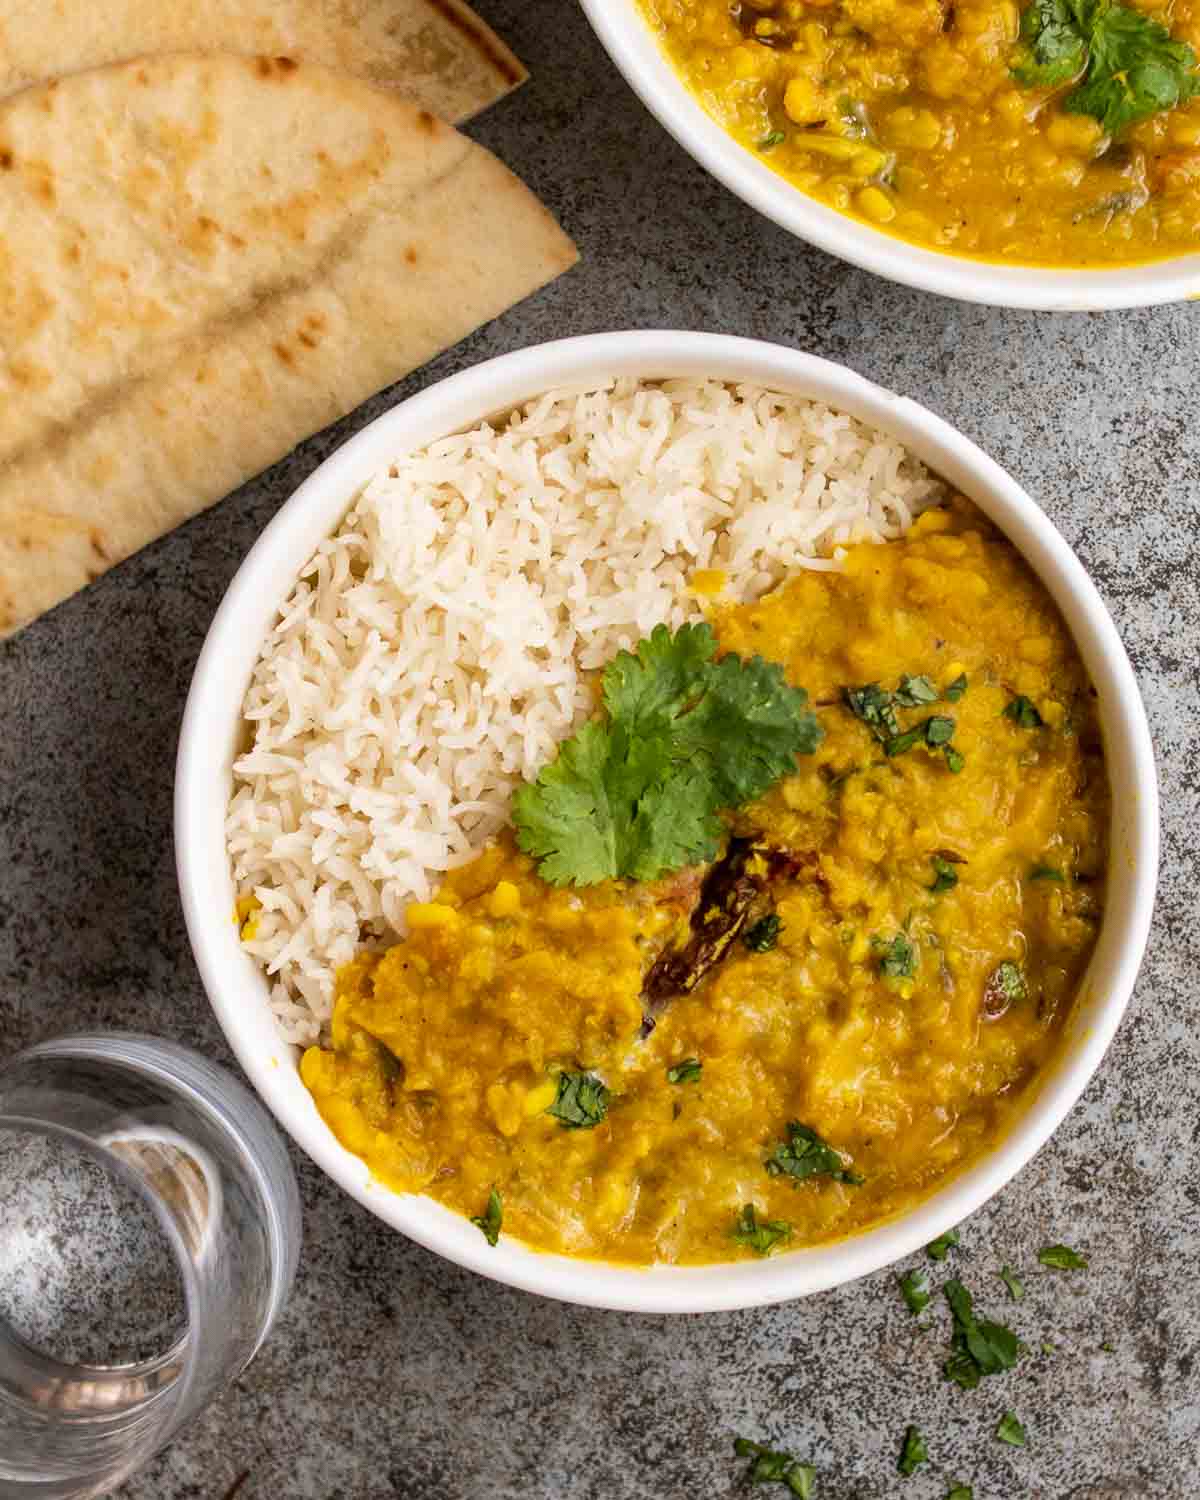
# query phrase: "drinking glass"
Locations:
[[149, 1233]]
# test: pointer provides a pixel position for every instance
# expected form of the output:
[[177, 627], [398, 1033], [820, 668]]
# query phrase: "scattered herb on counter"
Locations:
[[687, 1071], [1023, 713], [1062, 1258], [1005, 986], [914, 1288], [898, 958], [1010, 1431], [945, 876], [761, 1236], [1131, 66], [1047, 872], [1107, 1348], [913, 1452], [770, 1466], [1049, 1349], [1016, 1288], [489, 1223], [961, 1492], [804, 1154], [764, 934], [955, 690], [769, 142], [979, 1348], [635, 793], [940, 1248], [581, 1101], [913, 691]]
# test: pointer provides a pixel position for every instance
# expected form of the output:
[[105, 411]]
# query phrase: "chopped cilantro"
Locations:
[[1023, 713], [1005, 986], [954, 690], [913, 1452], [914, 691], [760, 1237], [955, 759], [1053, 50], [581, 1101], [635, 793], [688, 1071], [1062, 1258], [914, 1288], [804, 1154], [899, 957], [873, 705], [1010, 1431], [945, 876], [1016, 1288], [1046, 872], [940, 1248], [961, 1492], [764, 934], [978, 1348], [769, 142], [770, 1466], [489, 1222], [939, 730], [935, 731]]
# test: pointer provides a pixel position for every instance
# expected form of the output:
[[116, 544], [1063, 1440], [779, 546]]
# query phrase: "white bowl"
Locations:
[[631, 44], [212, 725]]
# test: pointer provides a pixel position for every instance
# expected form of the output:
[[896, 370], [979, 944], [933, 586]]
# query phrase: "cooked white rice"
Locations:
[[437, 647]]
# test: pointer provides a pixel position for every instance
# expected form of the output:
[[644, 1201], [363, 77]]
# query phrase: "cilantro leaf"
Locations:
[[1023, 713], [772, 1466], [1004, 986], [914, 691], [1010, 1431], [761, 1237], [764, 934], [1016, 1288], [979, 1348], [945, 876], [687, 1071], [1134, 71], [636, 794], [1047, 872], [581, 1101], [899, 960], [873, 705], [940, 1248], [914, 1288], [1062, 1258], [1053, 50], [955, 759], [804, 1154], [961, 1492], [935, 731], [490, 1221], [913, 1453], [954, 690]]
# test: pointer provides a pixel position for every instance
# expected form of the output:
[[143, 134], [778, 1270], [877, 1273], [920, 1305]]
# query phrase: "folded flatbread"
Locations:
[[437, 53], [204, 259]]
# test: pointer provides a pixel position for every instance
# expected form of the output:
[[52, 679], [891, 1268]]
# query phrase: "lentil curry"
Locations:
[[808, 1033], [1050, 132]]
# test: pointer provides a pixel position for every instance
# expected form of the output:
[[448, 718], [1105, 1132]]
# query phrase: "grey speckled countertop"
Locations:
[[395, 1375]]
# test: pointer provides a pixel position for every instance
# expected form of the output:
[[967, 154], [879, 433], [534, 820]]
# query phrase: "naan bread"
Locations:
[[205, 259], [437, 53]]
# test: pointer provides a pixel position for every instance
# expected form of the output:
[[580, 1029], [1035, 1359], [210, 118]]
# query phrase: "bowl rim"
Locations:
[[212, 721], [627, 38]]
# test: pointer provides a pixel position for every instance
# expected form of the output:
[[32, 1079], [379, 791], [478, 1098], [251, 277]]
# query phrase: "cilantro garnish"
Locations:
[[914, 1288], [913, 1453], [945, 876], [1046, 872], [914, 691], [954, 690], [1016, 1288], [876, 707], [935, 731], [489, 1223], [873, 705], [769, 142], [687, 1071], [940, 1248], [1005, 986], [1062, 1258], [804, 1154], [899, 957], [1131, 67], [764, 934], [770, 1466], [978, 1348], [761, 1237], [1023, 713], [636, 791], [1010, 1431], [955, 759], [581, 1101]]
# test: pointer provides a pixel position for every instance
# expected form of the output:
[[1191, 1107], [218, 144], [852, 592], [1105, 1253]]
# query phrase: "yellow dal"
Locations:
[[958, 155], [445, 1049]]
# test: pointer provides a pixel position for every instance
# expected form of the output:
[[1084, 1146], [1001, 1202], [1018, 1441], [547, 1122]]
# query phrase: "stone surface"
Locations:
[[395, 1375]]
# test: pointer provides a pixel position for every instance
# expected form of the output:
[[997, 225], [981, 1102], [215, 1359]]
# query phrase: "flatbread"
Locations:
[[437, 53], [205, 259]]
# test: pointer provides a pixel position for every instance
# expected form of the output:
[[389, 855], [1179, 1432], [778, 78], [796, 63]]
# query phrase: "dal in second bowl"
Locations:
[[676, 1287]]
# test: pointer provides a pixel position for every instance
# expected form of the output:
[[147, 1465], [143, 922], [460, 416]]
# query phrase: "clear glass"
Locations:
[[149, 1233]]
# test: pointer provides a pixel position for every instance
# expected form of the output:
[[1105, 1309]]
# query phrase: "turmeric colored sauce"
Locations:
[[928, 937]]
